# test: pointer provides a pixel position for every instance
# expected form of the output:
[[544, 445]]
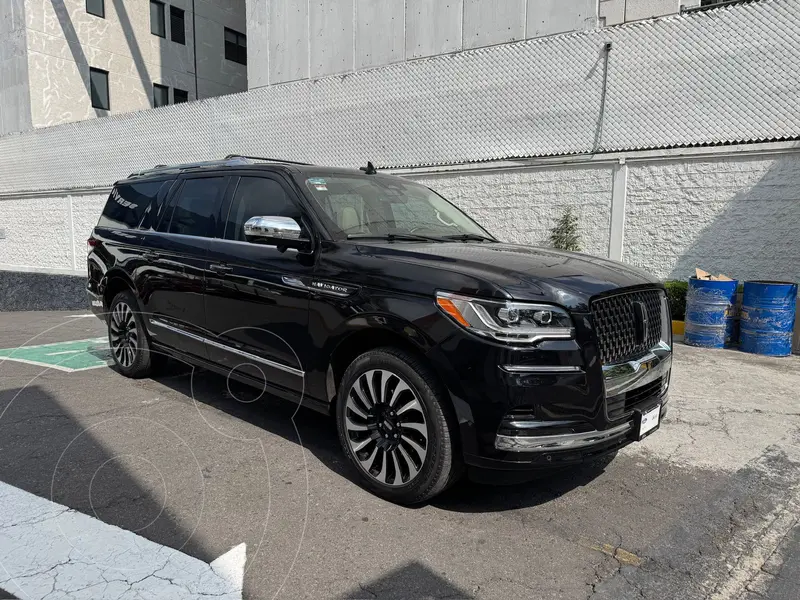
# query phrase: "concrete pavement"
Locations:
[[704, 508]]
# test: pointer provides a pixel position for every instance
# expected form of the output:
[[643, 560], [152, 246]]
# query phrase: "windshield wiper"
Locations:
[[464, 237], [392, 237]]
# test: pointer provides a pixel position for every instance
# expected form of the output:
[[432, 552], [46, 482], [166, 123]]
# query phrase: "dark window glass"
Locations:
[[235, 46], [257, 197], [158, 25], [98, 83], [196, 206], [180, 96], [152, 214], [96, 8], [127, 204], [160, 95], [177, 25]]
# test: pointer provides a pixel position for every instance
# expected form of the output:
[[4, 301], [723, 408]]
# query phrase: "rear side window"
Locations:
[[257, 197], [127, 204], [152, 215], [196, 206]]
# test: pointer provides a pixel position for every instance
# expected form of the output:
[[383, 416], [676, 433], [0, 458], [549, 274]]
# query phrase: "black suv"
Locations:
[[436, 347]]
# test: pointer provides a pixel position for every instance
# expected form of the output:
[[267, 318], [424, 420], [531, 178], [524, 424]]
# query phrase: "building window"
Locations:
[[157, 24], [96, 8], [177, 25], [180, 96], [235, 46], [98, 84], [160, 95]]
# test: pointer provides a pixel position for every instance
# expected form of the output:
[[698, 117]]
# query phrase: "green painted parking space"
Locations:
[[75, 355]]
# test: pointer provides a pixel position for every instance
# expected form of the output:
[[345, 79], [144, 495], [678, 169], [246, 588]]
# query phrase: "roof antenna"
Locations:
[[369, 169]]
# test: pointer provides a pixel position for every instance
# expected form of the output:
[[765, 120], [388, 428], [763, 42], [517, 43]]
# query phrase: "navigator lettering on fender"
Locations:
[[332, 288]]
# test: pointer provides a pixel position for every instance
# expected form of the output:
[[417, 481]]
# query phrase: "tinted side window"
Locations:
[[257, 196], [153, 213], [196, 206], [127, 203]]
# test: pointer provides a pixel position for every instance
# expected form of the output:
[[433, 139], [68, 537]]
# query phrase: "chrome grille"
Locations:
[[615, 325]]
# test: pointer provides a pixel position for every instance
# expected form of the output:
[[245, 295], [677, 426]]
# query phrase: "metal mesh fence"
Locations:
[[721, 76]]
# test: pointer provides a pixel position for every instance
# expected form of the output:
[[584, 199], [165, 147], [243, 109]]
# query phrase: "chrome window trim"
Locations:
[[220, 345], [566, 441]]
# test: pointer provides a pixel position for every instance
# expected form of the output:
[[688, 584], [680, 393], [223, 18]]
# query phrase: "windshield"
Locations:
[[365, 206]]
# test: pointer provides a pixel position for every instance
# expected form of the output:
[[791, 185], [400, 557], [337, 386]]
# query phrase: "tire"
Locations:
[[128, 337], [403, 446]]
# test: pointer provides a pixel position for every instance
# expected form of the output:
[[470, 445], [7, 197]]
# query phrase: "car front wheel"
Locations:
[[396, 426]]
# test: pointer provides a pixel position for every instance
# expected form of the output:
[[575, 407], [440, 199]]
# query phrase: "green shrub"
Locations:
[[676, 296], [564, 235]]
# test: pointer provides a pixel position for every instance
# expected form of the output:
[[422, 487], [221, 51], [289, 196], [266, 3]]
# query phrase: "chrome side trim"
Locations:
[[220, 345], [629, 375], [540, 369], [566, 441], [174, 329]]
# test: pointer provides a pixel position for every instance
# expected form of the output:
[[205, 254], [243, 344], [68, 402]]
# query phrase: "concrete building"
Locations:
[[291, 40], [70, 60]]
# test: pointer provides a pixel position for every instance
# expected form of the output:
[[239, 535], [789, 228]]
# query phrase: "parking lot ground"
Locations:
[[707, 507]]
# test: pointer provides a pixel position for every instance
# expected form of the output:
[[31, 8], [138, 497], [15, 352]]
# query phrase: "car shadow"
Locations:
[[319, 436]]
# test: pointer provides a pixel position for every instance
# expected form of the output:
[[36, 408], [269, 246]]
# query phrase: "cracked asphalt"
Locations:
[[707, 507]]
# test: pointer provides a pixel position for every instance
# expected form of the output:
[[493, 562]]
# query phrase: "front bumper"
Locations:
[[562, 441], [628, 386], [550, 405]]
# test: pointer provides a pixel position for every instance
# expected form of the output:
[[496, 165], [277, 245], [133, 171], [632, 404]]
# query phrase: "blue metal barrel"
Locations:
[[710, 312], [768, 314]]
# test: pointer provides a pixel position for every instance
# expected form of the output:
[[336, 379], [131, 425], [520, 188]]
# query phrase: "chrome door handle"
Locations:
[[220, 268]]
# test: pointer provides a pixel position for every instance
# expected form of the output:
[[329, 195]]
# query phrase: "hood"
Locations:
[[523, 272]]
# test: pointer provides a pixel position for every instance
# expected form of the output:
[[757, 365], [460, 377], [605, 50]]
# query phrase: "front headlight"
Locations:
[[507, 321]]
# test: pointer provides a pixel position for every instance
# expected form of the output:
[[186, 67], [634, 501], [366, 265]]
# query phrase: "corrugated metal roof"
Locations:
[[727, 75]]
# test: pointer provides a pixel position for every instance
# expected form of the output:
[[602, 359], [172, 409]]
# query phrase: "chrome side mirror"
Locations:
[[276, 231]]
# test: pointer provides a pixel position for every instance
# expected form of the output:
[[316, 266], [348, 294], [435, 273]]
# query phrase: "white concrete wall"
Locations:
[[522, 205], [737, 215], [48, 233], [15, 103], [300, 40], [64, 41], [730, 210]]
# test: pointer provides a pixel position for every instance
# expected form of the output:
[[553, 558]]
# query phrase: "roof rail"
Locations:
[[180, 168], [275, 160], [232, 160]]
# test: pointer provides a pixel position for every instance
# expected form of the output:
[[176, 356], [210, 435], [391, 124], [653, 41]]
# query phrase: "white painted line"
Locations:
[[65, 352], [57, 367], [80, 316], [38, 364], [50, 550], [97, 340]]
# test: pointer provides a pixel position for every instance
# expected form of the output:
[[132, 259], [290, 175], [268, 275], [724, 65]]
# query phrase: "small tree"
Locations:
[[564, 235]]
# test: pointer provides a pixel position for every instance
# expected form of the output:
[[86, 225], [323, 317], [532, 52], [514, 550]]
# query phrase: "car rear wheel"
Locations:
[[396, 426], [127, 337]]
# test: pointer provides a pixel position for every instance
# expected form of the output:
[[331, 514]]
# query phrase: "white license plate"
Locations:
[[649, 421]]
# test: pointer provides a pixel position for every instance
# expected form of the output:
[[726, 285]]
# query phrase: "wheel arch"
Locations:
[[379, 332], [114, 282]]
